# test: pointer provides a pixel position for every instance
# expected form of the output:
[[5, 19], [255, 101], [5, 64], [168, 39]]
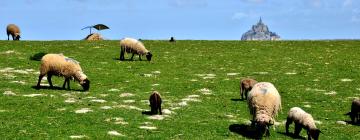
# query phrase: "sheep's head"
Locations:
[[17, 36], [314, 133], [148, 56], [85, 84]]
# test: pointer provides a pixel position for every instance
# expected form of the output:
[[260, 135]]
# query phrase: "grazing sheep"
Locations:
[[172, 39], [14, 31], [94, 36], [130, 45], [245, 86], [60, 65], [302, 120], [264, 103], [155, 103], [355, 111]]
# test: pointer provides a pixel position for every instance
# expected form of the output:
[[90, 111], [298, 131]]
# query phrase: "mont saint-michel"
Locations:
[[260, 31]]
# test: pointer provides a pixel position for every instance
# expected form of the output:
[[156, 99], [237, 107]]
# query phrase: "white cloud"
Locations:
[[347, 3], [239, 15], [188, 3], [355, 15]]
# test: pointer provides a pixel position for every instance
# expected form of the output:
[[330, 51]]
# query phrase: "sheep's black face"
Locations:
[[17, 37], [85, 84], [148, 56], [315, 134]]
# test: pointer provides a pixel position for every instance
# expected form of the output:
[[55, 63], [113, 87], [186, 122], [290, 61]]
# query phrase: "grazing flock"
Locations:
[[264, 100]]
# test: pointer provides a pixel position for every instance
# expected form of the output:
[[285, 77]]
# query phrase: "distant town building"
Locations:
[[260, 31]]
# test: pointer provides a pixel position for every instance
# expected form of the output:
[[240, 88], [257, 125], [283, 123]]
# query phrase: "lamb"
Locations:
[[155, 103], [355, 111], [60, 65], [14, 31], [130, 45], [264, 103], [302, 120], [245, 86]]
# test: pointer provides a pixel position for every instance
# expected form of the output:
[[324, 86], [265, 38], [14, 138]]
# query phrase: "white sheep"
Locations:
[[130, 45], [245, 86], [355, 111], [60, 65], [14, 31], [93, 37], [264, 103], [302, 120]]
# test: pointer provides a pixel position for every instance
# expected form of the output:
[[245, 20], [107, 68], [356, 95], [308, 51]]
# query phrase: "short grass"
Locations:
[[322, 77]]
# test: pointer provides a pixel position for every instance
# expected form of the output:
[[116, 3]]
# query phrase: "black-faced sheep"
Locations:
[[14, 31], [302, 120], [245, 86], [355, 111], [60, 65], [264, 103], [130, 45], [155, 103], [172, 39]]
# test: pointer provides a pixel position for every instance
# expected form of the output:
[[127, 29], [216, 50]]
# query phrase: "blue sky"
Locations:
[[183, 19]]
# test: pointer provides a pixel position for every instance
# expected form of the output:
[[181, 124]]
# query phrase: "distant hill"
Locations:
[[260, 31]]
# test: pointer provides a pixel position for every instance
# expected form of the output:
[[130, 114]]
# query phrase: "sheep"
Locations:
[[355, 111], [302, 120], [245, 86], [130, 45], [155, 102], [94, 36], [172, 39], [60, 65], [264, 103], [14, 31]]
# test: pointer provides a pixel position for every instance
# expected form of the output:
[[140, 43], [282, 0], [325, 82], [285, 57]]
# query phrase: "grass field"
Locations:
[[198, 81]]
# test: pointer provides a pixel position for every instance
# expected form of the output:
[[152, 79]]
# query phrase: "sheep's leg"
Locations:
[[40, 77], [288, 122], [13, 37], [122, 53], [8, 37], [49, 80], [68, 83], [139, 57], [297, 129], [64, 83], [160, 110], [241, 92], [132, 56], [308, 134], [267, 131]]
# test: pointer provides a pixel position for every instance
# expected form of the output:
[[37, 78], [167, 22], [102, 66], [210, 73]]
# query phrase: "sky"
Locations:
[[183, 19]]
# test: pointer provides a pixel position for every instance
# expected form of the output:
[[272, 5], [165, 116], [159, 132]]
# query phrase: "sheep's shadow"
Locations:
[[118, 59], [37, 56], [247, 131], [54, 88], [236, 100], [292, 136], [147, 113]]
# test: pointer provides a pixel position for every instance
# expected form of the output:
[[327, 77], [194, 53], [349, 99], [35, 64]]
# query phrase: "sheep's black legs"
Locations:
[[297, 129], [288, 122], [160, 110], [49, 80], [122, 54], [67, 80], [8, 37], [140, 57], [38, 84], [132, 56]]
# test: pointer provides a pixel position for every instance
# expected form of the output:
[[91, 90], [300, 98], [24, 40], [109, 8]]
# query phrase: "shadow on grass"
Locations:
[[352, 123], [292, 136], [246, 131], [123, 60], [37, 56], [54, 88], [236, 100], [147, 113]]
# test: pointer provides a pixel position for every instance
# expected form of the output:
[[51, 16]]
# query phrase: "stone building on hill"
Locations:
[[260, 31]]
